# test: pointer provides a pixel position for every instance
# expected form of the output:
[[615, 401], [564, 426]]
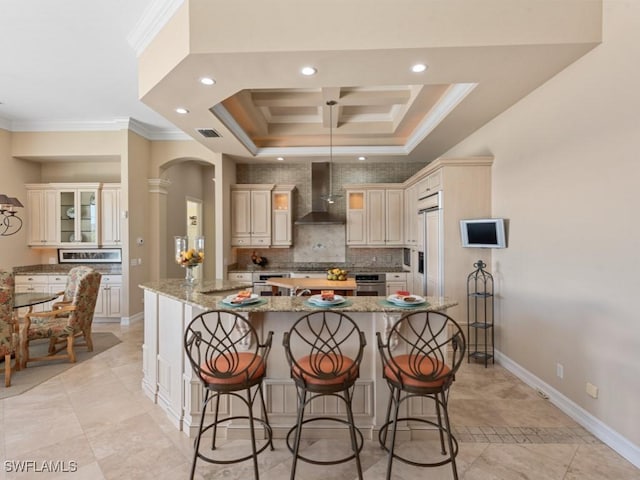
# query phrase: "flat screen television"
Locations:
[[483, 233]]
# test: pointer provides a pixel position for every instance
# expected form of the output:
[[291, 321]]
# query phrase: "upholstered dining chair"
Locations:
[[68, 320], [8, 336]]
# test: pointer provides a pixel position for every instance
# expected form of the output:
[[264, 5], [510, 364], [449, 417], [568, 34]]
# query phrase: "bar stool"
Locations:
[[324, 350], [420, 357], [226, 355]]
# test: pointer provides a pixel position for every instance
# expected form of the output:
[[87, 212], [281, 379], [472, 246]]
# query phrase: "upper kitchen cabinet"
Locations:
[[375, 216], [429, 184], [110, 214], [78, 214], [251, 215], [411, 216], [356, 229], [282, 215], [73, 214], [42, 215]]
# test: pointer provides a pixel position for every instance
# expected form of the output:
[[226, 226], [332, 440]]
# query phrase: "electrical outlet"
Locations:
[[559, 370], [592, 390]]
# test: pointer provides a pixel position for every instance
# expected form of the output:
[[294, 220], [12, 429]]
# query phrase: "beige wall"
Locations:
[[135, 200], [566, 175], [15, 173]]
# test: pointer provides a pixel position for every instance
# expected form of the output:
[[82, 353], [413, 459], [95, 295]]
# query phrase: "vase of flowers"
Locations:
[[189, 258]]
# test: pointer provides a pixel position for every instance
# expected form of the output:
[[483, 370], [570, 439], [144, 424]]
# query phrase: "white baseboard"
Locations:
[[127, 321], [610, 437]]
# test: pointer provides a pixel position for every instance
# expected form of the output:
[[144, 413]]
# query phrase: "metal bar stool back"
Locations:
[[324, 350], [229, 359], [420, 356]]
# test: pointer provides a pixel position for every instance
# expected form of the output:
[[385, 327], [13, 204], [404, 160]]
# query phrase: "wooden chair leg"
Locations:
[[7, 370], [52, 345], [88, 339], [72, 354], [24, 352]]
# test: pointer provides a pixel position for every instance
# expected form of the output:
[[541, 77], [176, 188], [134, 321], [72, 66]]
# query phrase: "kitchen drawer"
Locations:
[[32, 279], [397, 277], [57, 279], [240, 277], [111, 279]]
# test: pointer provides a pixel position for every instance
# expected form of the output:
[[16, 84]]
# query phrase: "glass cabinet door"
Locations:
[[67, 216], [78, 216], [88, 220]]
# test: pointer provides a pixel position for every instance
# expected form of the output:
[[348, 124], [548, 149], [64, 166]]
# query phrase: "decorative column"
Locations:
[[158, 190]]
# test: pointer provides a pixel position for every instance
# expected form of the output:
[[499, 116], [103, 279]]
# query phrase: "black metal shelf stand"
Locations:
[[480, 314]]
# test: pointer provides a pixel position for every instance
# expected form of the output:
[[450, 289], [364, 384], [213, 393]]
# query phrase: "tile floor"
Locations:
[[96, 415]]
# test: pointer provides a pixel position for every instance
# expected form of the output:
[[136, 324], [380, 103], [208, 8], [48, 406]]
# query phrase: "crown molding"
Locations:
[[144, 130], [151, 22]]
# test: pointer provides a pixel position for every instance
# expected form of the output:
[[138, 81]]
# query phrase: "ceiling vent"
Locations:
[[208, 132]]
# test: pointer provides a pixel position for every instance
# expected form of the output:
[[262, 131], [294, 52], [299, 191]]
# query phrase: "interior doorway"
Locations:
[[194, 227]]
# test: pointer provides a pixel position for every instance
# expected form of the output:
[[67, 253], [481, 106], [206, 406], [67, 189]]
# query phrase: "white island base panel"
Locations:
[[168, 379]]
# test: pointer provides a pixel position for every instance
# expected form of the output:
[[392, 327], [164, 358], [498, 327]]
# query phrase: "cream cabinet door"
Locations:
[[261, 217], [42, 217], [376, 217], [281, 216], [109, 302], [251, 218], [110, 216], [394, 218], [356, 220]]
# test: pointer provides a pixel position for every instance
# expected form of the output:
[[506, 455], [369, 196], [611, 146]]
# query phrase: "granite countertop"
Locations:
[[209, 295], [63, 268]]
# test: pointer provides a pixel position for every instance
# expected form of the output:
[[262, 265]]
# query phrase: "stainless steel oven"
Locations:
[[370, 284], [260, 283]]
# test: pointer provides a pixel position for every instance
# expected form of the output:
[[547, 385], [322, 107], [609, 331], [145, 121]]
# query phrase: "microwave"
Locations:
[[406, 259]]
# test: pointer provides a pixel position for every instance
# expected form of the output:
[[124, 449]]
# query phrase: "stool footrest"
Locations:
[[383, 432], [326, 462]]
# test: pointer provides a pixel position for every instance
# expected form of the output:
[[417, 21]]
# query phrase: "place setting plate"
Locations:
[[406, 300], [233, 301], [316, 300]]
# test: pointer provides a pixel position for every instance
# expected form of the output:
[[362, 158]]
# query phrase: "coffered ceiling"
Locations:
[[480, 58]]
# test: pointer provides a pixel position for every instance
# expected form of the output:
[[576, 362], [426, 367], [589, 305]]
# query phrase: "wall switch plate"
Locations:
[[559, 370], [592, 390]]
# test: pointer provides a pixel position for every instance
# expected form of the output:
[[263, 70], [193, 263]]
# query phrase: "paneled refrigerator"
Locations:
[[431, 245]]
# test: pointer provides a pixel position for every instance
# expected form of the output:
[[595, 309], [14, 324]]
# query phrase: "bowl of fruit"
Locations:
[[336, 274]]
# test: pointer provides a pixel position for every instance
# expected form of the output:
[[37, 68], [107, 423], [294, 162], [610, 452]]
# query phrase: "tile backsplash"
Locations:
[[320, 243]]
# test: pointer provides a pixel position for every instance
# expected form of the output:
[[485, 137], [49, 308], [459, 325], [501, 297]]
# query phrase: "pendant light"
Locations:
[[331, 198]]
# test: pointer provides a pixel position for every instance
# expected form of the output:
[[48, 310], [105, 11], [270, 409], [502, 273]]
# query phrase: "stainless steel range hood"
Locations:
[[319, 214]]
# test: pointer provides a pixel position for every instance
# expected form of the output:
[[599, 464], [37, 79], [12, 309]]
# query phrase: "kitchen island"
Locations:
[[169, 381]]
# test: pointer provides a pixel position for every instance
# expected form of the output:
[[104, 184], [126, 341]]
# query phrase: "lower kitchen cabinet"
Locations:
[[396, 281], [31, 284], [109, 302], [57, 284]]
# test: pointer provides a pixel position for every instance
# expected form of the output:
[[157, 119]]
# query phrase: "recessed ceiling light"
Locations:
[[280, 159], [207, 81], [308, 71], [362, 158], [182, 111], [418, 67]]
